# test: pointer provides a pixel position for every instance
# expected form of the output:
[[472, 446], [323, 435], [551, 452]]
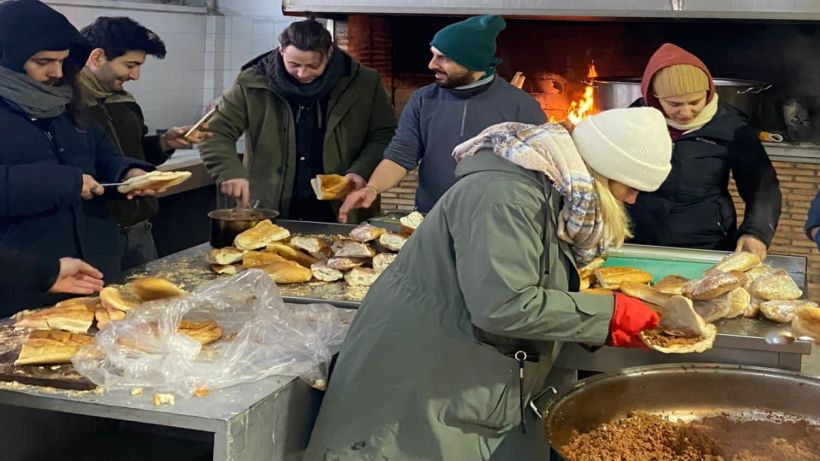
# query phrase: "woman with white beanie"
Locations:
[[693, 207], [486, 287]]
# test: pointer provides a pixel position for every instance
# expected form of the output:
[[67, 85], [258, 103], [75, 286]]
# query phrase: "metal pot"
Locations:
[[680, 391], [617, 92], [227, 223]]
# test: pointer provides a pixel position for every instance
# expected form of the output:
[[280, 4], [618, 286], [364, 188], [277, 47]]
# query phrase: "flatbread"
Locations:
[[75, 318], [154, 180]]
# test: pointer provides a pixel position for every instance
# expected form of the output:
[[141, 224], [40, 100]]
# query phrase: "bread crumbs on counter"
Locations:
[[163, 399]]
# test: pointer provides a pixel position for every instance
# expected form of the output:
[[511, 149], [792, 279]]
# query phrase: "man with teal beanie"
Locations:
[[466, 97]]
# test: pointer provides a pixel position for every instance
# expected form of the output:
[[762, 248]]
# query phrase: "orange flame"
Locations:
[[579, 110]]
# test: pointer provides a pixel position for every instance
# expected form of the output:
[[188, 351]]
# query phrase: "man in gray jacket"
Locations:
[[466, 97]]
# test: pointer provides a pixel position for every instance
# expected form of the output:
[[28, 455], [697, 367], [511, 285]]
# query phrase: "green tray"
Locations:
[[660, 268]]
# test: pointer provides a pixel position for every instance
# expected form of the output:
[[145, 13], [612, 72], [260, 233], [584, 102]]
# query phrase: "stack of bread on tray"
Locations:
[[357, 258], [61, 330], [738, 285]]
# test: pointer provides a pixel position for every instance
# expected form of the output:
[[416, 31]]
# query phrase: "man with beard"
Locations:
[[306, 108], [120, 48], [466, 98], [52, 158]]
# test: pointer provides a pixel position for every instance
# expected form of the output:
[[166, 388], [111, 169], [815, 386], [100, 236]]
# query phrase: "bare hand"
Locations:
[[77, 277], [753, 245], [91, 188], [357, 181], [174, 138], [240, 189], [200, 134], [361, 198]]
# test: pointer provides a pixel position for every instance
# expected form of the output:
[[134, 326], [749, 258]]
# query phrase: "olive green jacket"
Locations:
[[360, 124], [426, 371]]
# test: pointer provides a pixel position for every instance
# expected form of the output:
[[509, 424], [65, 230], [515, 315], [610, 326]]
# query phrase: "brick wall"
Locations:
[[799, 183]]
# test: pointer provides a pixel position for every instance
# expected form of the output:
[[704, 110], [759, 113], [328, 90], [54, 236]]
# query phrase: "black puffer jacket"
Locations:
[[693, 207]]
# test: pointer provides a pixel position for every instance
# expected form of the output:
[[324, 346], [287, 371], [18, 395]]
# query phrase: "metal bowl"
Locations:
[[227, 223], [681, 392]]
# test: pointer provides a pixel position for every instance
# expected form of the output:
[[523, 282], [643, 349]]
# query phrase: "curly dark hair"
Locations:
[[307, 35], [119, 35]]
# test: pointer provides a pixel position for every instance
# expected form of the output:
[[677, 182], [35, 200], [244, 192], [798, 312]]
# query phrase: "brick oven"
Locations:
[[553, 48]]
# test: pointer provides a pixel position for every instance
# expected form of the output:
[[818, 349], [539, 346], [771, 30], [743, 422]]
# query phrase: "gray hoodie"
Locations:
[[437, 119]]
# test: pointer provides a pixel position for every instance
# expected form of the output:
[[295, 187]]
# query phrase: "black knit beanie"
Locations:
[[29, 26]]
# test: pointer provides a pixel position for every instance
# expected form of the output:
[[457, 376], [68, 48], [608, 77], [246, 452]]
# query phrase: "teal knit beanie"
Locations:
[[471, 42]]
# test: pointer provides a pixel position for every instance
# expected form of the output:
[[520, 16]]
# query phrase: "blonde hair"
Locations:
[[613, 213]]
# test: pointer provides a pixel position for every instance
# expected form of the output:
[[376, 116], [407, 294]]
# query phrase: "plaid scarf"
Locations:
[[550, 149]]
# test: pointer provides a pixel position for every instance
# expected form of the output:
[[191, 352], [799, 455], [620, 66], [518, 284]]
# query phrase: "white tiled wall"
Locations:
[[205, 50]]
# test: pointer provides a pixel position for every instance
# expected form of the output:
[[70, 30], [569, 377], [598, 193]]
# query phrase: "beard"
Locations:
[[53, 82], [446, 80]]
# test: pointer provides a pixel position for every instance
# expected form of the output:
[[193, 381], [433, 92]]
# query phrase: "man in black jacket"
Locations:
[[120, 46], [52, 159]]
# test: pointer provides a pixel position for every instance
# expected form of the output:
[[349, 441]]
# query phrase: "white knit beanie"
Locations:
[[631, 146]]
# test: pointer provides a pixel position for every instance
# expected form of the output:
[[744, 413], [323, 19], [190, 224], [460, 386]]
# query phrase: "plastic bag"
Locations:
[[262, 336]]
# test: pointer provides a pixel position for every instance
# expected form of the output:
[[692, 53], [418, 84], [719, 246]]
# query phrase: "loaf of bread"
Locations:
[[291, 253], [105, 316], [598, 291], [120, 297], [324, 273], [411, 222], [344, 264], [392, 241], [322, 254], [203, 332], [777, 285], [713, 286], [643, 292], [330, 186], [757, 272], [155, 180], [741, 261], [382, 260], [739, 300], [85, 301], [806, 322], [612, 277], [784, 311], [309, 244], [75, 318], [366, 233], [260, 258], [588, 270], [753, 308], [151, 288], [361, 277], [287, 272], [50, 347], [225, 256], [227, 269], [260, 235], [671, 285], [355, 250]]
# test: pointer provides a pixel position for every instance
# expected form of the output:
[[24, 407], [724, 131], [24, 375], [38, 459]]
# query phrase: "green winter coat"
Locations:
[[426, 371], [360, 124]]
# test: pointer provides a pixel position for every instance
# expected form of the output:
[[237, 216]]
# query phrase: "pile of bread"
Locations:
[[738, 285], [61, 330], [357, 258]]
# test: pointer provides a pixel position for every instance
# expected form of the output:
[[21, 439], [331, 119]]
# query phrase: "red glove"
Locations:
[[630, 317]]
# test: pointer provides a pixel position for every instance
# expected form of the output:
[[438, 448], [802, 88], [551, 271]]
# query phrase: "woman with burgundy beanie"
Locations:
[[693, 207]]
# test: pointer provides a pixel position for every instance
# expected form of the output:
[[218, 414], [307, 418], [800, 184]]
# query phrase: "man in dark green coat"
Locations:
[[428, 369], [120, 48], [305, 108]]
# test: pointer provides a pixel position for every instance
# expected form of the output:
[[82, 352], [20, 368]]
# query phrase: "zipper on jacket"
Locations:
[[463, 118], [520, 357]]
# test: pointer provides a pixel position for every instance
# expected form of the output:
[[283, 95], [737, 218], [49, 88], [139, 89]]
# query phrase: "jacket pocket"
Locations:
[[483, 385]]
